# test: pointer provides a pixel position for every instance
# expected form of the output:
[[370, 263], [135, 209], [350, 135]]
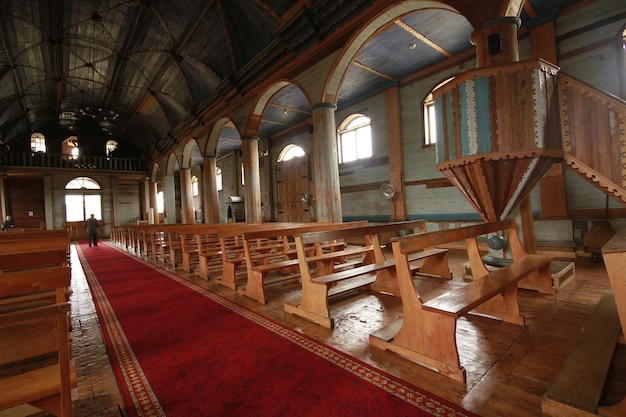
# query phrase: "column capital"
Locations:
[[516, 21], [317, 106], [255, 138]]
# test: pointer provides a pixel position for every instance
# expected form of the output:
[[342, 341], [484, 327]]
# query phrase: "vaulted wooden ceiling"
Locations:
[[141, 71]]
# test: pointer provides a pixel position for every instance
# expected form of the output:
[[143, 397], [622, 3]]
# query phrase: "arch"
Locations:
[[260, 106], [171, 164], [332, 86], [80, 183], [290, 151], [215, 134], [82, 197], [188, 151], [154, 172]]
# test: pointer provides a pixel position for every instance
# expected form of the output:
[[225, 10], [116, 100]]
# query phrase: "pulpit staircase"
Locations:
[[593, 128]]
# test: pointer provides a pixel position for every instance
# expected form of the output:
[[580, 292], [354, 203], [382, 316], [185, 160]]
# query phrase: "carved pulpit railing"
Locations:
[[499, 132], [593, 124]]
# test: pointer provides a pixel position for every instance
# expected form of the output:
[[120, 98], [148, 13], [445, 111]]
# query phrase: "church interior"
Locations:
[[495, 131]]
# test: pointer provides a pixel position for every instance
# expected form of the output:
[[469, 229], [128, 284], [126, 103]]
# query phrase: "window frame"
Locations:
[[348, 128], [429, 125], [37, 142]]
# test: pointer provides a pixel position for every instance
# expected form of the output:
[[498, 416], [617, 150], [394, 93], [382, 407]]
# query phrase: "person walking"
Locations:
[[92, 225]]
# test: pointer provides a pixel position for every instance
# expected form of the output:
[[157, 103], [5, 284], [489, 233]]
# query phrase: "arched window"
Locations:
[[219, 179], [82, 199], [160, 203], [430, 125], [37, 142], [194, 186], [289, 152], [354, 138]]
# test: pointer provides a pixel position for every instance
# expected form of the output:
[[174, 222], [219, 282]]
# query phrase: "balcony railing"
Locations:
[[46, 160]]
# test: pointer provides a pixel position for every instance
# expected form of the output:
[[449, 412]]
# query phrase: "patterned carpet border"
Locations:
[[146, 402]]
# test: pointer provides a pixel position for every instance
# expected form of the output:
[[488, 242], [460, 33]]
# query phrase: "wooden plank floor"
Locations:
[[509, 367]]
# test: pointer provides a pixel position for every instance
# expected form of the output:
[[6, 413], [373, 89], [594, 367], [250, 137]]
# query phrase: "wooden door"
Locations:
[[292, 179]]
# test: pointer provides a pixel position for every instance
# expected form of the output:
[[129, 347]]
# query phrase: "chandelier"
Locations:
[[95, 112]]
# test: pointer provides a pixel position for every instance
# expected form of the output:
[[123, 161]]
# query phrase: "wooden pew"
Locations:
[[209, 253], [321, 279], [34, 321], [578, 387], [427, 333], [202, 243], [262, 259], [33, 287], [30, 333], [232, 248], [36, 248]]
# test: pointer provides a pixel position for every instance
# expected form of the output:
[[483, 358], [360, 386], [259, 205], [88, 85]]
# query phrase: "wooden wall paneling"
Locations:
[[26, 204]]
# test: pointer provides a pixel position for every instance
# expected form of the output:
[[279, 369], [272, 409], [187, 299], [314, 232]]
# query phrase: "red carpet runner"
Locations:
[[182, 350]]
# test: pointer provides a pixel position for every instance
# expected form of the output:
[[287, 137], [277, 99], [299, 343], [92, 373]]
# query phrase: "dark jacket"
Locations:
[[92, 225]]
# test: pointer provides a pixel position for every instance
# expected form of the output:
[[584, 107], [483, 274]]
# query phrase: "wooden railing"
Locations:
[[593, 127], [46, 160]]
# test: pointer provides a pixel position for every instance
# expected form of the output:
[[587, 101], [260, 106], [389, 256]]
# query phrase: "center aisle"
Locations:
[[183, 350]]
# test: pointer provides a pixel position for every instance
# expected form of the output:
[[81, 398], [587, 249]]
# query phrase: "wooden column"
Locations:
[[553, 201], [153, 191], [114, 202], [326, 164], [3, 197], [496, 42], [210, 195], [144, 200], [186, 197], [169, 199], [394, 143], [252, 182], [48, 201]]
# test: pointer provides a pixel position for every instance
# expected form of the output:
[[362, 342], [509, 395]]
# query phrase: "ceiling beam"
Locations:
[[423, 38], [372, 70]]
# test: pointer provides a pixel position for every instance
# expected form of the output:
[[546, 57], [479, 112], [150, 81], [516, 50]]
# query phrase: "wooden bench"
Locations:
[[262, 259], [207, 248], [321, 278], [30, 333], [34, 321], [578, 387], [33, 286], [427, 333], [232, 247], [31, 249], [209, 253]]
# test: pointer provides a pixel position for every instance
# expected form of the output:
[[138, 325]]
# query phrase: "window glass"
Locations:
[[289, 152], [82, 199], [37, 142], [354, 138], [74, 211], [194, 186], [160, 202], [82, 182], [430, 120], [218, 178]]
